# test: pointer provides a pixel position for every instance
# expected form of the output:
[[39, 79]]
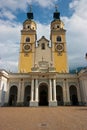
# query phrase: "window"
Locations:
[[28, 26], [43, 46], [27, 39], [58, 26], [58, 39]]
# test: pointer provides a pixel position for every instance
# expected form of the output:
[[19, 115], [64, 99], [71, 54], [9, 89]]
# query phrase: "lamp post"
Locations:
[[86, 56]]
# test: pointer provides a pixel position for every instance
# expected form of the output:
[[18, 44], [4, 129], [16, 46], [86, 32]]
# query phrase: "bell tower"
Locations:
[[27, 44], [58, 42]]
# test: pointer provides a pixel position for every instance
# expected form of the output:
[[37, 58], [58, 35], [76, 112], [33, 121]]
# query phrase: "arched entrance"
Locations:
[[43, 94], [59, 95], [73, 95], [27, 95], [13, 96]]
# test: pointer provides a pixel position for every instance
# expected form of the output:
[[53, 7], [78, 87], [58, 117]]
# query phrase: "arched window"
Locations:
[[58, 39], [28, 26], [43, 46], [27, 39], [58, 26]]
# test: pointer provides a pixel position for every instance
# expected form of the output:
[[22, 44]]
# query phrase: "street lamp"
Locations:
[[86, 56]]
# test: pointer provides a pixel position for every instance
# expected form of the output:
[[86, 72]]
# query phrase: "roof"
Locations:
[[43, 37]]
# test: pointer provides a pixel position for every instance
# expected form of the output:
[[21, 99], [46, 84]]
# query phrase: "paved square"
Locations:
[[43, 118]]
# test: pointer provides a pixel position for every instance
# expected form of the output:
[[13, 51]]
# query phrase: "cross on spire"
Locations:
[[56, 14], [30, 13], [56, 8], [30, 6]]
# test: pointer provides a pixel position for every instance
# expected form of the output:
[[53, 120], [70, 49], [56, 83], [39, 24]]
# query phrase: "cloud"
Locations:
[[9, 8], [43, 30], [13, 4], [74, 4], [9, 44], [9, 31], [9, 56], [7, 14], [22, 4], [76, 27], [46, 3], [80, 8]]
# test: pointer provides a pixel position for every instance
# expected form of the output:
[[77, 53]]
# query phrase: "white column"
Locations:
[[36, 90], [50, 90], [32, 90], [54, 90], [67, 93], [83, 91], [22, 92], [64, 92], [78, 94], [7, 94], [19, 93]]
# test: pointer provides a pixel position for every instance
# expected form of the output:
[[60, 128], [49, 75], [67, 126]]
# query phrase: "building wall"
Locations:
[[51, 80], [43, 54], [3, 87], [83, 85]]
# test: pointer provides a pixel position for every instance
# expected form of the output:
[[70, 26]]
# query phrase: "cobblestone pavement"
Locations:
[[43, 118]]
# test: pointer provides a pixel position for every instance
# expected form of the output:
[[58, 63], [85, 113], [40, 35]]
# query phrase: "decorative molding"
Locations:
[[27, 83], [59, 83], [72, 83], [13, 84]]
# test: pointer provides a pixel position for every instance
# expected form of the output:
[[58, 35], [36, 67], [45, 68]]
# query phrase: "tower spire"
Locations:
[[30, 13], [56, 14]]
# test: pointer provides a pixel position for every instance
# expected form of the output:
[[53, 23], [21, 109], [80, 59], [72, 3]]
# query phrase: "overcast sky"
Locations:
[[13, 14]]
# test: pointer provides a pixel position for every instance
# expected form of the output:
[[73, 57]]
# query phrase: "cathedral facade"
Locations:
[[43, 77]]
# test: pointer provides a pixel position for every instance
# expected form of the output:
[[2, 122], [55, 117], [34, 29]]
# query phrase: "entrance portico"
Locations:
[[43, 89], [43, 93]]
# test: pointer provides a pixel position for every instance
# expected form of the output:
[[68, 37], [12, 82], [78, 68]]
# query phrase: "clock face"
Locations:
[[27, 47], [59, 47]]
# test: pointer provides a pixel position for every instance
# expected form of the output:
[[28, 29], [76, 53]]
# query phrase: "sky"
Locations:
[[13, 14]]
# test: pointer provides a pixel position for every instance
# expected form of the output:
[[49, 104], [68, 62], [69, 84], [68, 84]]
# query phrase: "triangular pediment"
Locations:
[[43, 38]]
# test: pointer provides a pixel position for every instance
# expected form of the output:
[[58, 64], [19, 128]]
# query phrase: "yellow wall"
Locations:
[[60, 62], [32, 38], [25, 63], [26, 59]]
